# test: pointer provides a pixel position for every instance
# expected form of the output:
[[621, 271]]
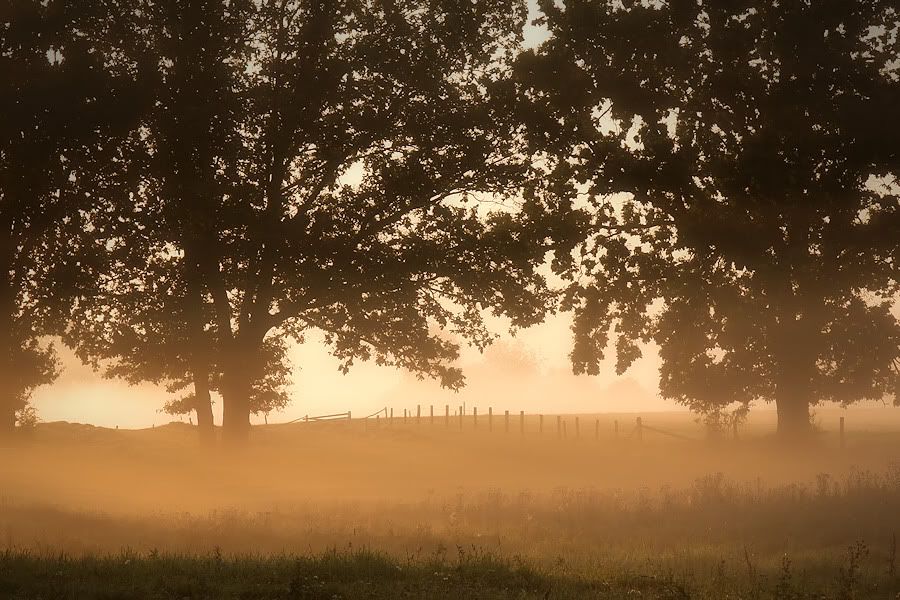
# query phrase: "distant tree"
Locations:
[[50, 157], [329, 165], [268, 391], [27, 417], [738, 162]]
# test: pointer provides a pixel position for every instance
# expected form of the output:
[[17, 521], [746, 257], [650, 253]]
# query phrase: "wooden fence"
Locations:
[[460, 419]]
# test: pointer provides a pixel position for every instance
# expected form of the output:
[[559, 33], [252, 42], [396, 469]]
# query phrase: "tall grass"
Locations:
[[420, 512], [828, 512]]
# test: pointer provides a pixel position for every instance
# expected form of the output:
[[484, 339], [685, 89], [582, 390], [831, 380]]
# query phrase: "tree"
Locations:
[[325, 165], [50, 158], [147, 317], [739, 167], [268, 392], [373, 128]]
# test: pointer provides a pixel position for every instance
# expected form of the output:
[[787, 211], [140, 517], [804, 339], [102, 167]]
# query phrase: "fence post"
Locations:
[[461, 415], [507, 421], [842, 432], [639, 429], [432, 413], [475, 417], [558, 427], [577, 428], [616, 424], [490, 418], [418, 414], [392, 416], [522, 422], [404, 416], [446, 415], [348, 415]]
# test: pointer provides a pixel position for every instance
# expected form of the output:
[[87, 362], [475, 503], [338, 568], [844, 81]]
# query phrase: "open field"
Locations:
[[345, 509]]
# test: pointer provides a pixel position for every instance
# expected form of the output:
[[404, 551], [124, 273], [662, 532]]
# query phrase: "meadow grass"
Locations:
[[475, 574], [416, 512], [714, 539]]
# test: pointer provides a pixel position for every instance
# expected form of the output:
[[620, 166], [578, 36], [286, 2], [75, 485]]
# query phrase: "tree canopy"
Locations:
[[311, 165], [738, 165], [189, 186], [58, 106]]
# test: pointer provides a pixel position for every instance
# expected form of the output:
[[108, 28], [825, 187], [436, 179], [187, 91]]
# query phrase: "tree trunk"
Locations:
[[236, 400], [7, 309], [793, 417], [199, 358], [8, 393], [203, 407], [7, 420], [236, 410], [794, 389], [794, 339]]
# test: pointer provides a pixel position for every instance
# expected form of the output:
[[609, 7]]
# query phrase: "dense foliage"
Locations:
[[189, 187], [58, 105], [738, 166], [305, 165]]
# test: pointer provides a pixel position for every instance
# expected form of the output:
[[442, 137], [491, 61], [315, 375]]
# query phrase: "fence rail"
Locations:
[[334, 417], [474, 420], [460, 417]]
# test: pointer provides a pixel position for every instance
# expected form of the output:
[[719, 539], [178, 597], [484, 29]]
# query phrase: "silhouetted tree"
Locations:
[[53, 96], [268, 392], [738, 162], [374, 128], [149, 316], [328, 165]]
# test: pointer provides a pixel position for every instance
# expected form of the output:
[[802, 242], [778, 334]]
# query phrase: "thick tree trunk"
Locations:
[[794, 341], [793, 417], [794, 389], [236, 408], [236, 395]]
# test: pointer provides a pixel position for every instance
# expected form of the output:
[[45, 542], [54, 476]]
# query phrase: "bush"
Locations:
[[27, 417]]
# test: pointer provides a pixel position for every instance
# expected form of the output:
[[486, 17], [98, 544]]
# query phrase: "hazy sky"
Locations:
[[530, 372]]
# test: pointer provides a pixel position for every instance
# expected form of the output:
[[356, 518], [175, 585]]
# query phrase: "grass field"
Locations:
[[364, 574], [350, 510]]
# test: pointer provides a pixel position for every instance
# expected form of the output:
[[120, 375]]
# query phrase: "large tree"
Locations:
[[148, 316], [738, 164], [328, 165], [57, 105]]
